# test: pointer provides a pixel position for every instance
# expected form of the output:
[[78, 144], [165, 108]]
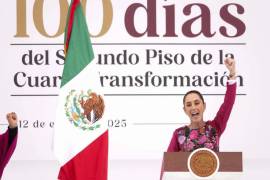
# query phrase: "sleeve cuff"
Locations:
[[231, 81], [12, 134], [13, 131]]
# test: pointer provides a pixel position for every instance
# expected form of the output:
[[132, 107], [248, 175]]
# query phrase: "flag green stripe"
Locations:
[[80, 52]]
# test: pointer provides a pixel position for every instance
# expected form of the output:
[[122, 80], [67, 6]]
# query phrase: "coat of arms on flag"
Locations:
[[84, 109]]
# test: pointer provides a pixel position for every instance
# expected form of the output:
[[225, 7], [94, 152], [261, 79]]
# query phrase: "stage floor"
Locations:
[[119, 170]]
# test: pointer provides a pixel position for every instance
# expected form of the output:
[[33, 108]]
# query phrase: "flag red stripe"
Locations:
[[70, 22], [90, 164]]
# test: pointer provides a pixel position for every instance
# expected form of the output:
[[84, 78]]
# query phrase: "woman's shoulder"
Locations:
[[181, 130], [210, 124]]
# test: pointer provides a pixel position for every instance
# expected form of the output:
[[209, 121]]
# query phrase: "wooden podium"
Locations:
[[175, 166]]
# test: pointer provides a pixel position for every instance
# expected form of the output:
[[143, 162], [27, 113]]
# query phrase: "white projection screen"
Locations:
[[148, 58]]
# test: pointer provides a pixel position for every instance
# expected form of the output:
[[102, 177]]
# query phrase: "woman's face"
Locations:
[[194, 107]]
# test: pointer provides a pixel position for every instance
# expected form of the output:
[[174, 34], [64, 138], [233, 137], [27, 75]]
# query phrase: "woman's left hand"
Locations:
[[230, 65]]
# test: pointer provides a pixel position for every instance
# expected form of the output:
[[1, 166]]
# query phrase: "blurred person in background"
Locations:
[[8, 141]]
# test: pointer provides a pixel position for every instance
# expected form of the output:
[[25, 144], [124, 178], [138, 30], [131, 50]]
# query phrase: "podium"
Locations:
[[175, 166]]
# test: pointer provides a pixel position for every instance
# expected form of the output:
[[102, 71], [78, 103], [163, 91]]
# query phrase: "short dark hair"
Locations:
[[193, 92]]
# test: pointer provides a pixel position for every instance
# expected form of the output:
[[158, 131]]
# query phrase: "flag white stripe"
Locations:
[[70, 140]]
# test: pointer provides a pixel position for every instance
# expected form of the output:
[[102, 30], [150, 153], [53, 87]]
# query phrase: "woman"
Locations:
[[200, 133], [8, 141]]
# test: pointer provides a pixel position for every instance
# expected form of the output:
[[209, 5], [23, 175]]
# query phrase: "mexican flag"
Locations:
[[81, 133]]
